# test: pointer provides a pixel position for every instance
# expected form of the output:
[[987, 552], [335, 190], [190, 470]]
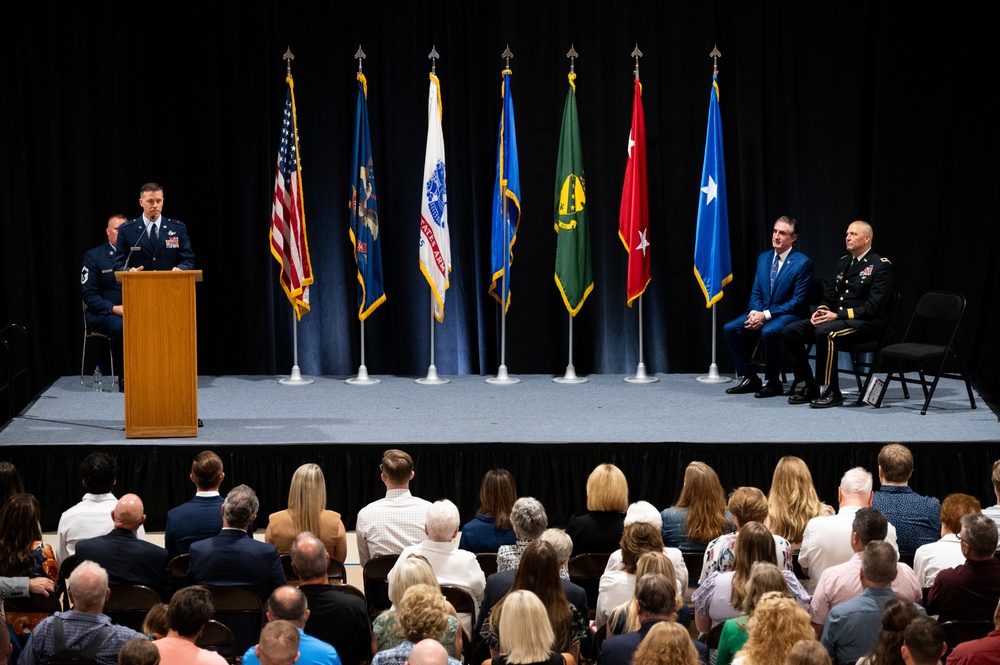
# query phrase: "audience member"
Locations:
[[699, 516], [529, 520], [392, 523], [288, 604], [92, 516], [280, 645], [422, 614], [721, 596], [666, 643], [969, 591], [924, 642], [993, 512], [427, 652], [24, 555], [826, 540], [656, 601], [127, 559], [746, 504], [852, 627], [339, 619], [984, 651], [11, 482], [617, 586], [233, 558], [842, 582], [600, 528], [190, 609], [201, 517], [896, 616], [946, 552], [917, 518], [764, 578], [563, 546], [451, 566], [777, 624], [807, 652], [644, 511], [84, 631], [307, 512], [155, 625], [528, 637], [139, 651], [412, 570], [792, 501], [491, 528], [625, 618]]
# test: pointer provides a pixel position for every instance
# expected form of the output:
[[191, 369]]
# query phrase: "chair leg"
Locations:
[[937, 377]]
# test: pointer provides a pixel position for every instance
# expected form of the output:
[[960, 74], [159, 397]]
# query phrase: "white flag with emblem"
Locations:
[[435, 244]]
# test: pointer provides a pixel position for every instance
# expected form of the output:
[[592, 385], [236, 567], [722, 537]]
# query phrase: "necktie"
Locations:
[[774, 269], [152, 235]]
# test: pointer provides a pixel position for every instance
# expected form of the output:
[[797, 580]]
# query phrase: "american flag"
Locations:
[[288, 220]]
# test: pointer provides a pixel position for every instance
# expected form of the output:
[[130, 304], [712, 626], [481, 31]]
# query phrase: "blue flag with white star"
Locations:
[[712, 263]]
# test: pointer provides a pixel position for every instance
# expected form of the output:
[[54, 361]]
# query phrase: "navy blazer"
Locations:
[[173, 248], [233, 558], [790, 294], [101, 291], [128, 560], [198, 519]]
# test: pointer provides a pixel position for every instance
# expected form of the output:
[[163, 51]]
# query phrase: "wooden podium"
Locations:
[[161, 353]]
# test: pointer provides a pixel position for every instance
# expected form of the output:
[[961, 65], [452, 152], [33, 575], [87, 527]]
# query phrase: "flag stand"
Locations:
[[640, 370], [362, 379], [432, 378], [713, 375], [296, 377], [570, 375]]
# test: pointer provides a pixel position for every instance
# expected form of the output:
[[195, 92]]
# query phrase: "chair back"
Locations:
[[936, 318], [488, 562], [376, 581], [128, 605], [712, 638], [585, 570], [217, 637], [65, 570], [694, 561], [242, 611], [956, 631], [178, 567], [461, 600], [349, 589], [335, 572]]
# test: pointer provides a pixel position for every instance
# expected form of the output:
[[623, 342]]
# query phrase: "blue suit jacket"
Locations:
[[791, 287], [233, 558], [101, 291], [198, 519], [128, 560], [173, 248]]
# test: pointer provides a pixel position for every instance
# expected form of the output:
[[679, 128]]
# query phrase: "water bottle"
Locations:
[[98, 379]]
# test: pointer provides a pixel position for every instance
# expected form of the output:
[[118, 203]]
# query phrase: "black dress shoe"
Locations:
[[770, 389], [747, 385], [804, 395], [830, 397]]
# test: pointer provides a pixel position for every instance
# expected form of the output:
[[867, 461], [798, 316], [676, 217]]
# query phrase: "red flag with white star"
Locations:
[[633, 220]]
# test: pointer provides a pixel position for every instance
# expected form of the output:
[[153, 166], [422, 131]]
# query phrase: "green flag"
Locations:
[[574, 276]]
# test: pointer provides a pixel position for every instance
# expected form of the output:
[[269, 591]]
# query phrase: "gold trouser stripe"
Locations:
[[830, 350]]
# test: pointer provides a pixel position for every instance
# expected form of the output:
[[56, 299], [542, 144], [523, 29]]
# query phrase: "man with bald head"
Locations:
[[288, 604], [854, 309], [127, 558], [427, 652]]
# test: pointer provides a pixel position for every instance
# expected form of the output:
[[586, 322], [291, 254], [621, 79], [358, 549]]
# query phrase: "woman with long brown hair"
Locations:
[[699, 516], [307, 512], [491, 527], [896, 616], [23, 554]]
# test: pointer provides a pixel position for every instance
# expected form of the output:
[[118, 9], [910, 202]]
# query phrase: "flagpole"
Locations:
[[432, 378], [296, 378], [502, 377]]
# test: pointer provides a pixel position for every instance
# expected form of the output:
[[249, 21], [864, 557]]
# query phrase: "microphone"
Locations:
[[136, 246]]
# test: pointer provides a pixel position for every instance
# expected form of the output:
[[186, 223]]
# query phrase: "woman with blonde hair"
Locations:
[[764, 577], [600, 528], [666, 643], [410, 572], [776, 625], [808, 652], [307, 512], [699, 516], [625, 617], [422, 614], [526, 636], [491, 527], [793, 501]]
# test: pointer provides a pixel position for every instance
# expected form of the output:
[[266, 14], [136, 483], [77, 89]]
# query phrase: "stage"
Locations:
[[549, 435]]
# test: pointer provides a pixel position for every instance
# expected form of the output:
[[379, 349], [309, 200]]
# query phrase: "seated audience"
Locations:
[[924, 642], [388, 525], [307, 512], [993, 512], [969, 591], [852, 627], [490, 528], [86, 631], [764, 578], [190, 609], [807, 652], [842, 582], [643, 511], [201, 517], [288, 604], [280, 645], [24, 555], [917, 518], [776, 626], [699, 516], [528, 518], [666, 644], [138, 651], [409, 572], [946, 552], [422, 614], [526, 634], [746, 504], [826, 540], [617, 586], [233, 558], [792, 501], [984, 651], [600, 528], [155, 625], [721, 596], [896, 616], [625, 617]]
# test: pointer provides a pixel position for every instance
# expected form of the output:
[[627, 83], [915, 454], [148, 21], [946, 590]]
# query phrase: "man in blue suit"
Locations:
[[151, 241], [201, 517], [233, 558], [779, 297]]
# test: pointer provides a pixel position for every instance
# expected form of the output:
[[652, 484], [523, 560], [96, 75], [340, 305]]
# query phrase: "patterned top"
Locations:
[[398, 656], [711, 599], [79, 628], [385, 627], [508, 556], [720, 555], [388, 525], [578, 626], [917, 518]]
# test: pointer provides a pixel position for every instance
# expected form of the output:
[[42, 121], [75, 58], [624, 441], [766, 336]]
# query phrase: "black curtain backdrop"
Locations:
[[831, 112]]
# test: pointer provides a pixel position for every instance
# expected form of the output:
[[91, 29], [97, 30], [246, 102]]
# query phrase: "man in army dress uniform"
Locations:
[[102, 293], [853, 308]]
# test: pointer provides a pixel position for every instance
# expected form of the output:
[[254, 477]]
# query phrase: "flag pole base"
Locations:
[[641, 376], [502, 378], [432, 378], [713, 376], [570, 376], [362, 379], [295, 379]]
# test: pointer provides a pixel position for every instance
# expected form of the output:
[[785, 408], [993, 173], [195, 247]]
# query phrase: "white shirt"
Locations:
[[88, 519], [389, 525], [451, 566], [934, 557], [672, 553], [826, 542]]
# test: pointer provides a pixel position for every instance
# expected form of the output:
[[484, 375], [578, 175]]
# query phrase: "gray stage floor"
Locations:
[[678, 408]]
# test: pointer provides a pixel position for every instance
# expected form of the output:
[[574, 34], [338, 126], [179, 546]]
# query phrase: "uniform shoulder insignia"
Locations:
[[885, 260], [844, 257]]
